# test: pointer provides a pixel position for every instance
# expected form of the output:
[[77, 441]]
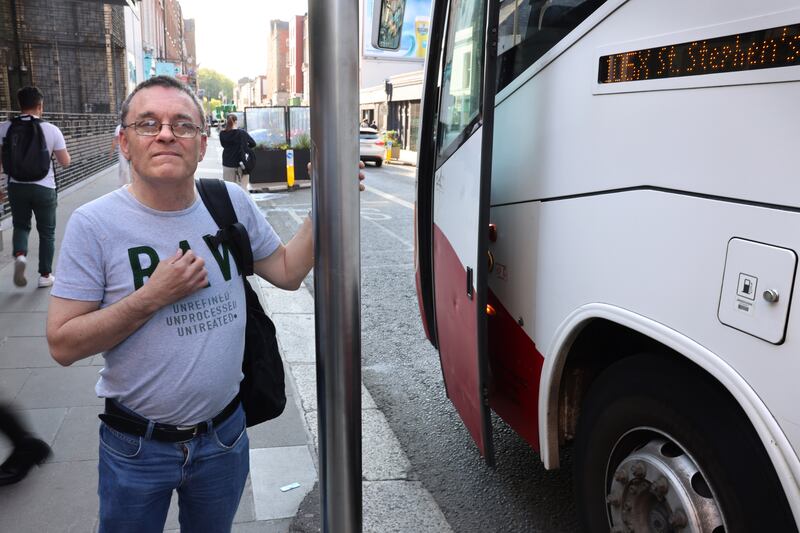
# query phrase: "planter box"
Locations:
[[270, 166], [302, 156]]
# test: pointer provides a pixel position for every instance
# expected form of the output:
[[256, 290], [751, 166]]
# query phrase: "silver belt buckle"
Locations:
[[188, 428]]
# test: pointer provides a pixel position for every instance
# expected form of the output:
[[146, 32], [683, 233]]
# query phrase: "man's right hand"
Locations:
[[77, 329], [175, 278]]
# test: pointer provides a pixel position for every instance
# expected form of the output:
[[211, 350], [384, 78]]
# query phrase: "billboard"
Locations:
[[414, 39]]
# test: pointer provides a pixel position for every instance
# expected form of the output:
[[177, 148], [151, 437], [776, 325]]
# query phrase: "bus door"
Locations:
[[460, 200]]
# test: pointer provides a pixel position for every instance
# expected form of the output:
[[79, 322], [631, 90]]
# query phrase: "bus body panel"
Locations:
[[734, 141], [658, 255], [555, 138], [626, 199]]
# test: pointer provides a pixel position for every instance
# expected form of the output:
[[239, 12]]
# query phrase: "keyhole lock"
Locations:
[[771, 295]]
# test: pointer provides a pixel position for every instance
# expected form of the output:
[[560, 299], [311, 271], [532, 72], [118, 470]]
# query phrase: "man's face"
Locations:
[[163, 157]]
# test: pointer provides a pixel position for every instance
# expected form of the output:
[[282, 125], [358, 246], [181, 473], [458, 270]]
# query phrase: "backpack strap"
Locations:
[[232, 233]]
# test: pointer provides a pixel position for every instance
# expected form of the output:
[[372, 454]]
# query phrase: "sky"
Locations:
[[231, 35]]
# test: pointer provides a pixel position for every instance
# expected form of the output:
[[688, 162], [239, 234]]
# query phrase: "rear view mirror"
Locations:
[[387, 24]]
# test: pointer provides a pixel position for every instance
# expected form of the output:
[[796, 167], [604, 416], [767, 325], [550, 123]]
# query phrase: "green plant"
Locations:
[[391, 135], [302, 141]]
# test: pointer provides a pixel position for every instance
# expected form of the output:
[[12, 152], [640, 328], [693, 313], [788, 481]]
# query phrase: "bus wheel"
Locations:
[[660, 447]]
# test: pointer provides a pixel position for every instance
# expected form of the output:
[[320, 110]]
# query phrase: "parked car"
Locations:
[[372, 147], [267, 137]]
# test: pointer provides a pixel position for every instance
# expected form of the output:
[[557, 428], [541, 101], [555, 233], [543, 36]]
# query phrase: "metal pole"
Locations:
[[333, 46]]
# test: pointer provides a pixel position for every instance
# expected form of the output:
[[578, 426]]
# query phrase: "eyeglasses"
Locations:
[[151, 128]]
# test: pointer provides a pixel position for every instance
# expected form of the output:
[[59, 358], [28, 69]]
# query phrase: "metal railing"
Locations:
[[88, 136]]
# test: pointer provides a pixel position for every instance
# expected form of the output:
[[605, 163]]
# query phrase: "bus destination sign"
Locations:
[[770, 48]]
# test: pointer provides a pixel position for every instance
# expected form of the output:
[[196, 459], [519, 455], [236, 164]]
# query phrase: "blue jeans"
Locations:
[[138, 475]]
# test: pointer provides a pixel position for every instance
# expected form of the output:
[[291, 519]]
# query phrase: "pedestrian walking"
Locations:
[[28, 450], [235, 143], [141, 280], [123, 166], [28, 144]]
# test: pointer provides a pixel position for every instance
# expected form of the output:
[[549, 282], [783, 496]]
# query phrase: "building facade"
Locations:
[[191, 53], [391, 81], [296, 59], [397, 109], [306, 98], [278, 63], [73, 50], [153, 44]]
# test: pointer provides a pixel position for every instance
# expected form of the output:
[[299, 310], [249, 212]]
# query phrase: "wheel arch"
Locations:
[[560, 389]]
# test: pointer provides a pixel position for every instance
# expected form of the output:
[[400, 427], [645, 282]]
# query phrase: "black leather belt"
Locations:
[[126, 422]]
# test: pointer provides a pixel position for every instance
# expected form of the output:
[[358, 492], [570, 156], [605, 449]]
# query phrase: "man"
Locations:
[[123, 167], [35, 197], [139, 282]]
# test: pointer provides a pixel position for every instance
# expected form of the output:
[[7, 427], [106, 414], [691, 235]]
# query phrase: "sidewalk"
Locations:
[[61, 407]]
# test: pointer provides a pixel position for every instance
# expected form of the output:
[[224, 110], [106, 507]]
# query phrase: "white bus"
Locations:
[[608, 223]]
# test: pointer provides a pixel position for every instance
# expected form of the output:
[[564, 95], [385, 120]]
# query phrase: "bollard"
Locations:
[[290, 168]]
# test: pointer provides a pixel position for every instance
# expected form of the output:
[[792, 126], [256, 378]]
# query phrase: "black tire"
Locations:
[[378, 162], [644, 398]]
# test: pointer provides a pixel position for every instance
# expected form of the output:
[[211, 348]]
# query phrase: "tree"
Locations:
[[213, 82]]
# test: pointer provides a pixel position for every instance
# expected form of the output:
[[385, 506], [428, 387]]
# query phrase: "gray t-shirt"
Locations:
[[184, 364]]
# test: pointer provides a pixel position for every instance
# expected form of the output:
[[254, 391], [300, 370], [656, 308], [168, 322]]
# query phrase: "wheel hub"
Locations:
[[659, 488]]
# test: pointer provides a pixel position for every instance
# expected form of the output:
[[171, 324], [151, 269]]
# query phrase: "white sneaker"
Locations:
[[19, 271], [46, 281]]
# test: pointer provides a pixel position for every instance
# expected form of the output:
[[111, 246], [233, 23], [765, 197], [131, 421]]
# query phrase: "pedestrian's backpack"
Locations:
[[25, 153], [248, 159], [262, 390]]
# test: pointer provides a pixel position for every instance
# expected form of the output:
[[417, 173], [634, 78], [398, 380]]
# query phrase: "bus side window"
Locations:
[[460, 104], [529, 28]]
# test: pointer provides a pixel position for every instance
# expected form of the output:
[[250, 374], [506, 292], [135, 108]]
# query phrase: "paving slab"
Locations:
[[305, 375], [286, 430], [31, 324], [70, 504], [44, 423], [382, 457], [11, 382], [77, 440], [285, 302], [28, 352], [273, 468], [59, 387], [260, 526], [295, 334], [26, 300], [263, 526]]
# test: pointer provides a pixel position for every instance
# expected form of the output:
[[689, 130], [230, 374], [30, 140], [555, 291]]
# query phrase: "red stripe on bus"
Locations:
[[516, 368]]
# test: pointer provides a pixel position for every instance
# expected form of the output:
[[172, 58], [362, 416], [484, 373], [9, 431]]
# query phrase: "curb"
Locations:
[[393, 499]]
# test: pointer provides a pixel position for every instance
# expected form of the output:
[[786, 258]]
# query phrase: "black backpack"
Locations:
[[247, 156], [262, 390], [249, 160], [25, 153]]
